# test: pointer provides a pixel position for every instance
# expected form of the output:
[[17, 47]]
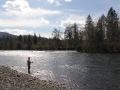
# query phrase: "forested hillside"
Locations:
[[100, 36]]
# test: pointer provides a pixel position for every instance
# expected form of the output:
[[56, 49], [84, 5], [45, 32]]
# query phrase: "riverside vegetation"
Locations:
[[102, 36]]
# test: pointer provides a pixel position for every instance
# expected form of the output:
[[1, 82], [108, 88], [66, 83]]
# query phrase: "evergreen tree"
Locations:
[[11, 44], [101, 29], [20, 38], [35, 39], [100, 33], [90, 32], [112, 29], [29, 42], [75, 35], [39, 37], [19, 46], [112, 26], [25, 40]]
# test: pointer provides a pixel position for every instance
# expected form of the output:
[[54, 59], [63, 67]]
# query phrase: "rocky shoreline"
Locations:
[[13, 80]]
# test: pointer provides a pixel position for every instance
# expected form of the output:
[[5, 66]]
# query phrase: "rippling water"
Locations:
[[80, 71]]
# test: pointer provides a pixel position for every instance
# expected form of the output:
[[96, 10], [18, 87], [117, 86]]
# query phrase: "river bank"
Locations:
[[13, 80]]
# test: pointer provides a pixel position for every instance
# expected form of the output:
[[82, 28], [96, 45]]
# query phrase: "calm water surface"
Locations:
[[80, 71]]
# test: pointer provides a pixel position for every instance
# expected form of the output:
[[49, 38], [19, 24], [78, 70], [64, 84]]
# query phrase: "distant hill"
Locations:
[[5, 34]]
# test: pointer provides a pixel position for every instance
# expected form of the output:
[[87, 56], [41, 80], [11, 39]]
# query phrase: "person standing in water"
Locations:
[[28, 63]]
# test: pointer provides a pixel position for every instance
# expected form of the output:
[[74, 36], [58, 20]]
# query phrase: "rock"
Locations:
[[18, 75], [14, 80]]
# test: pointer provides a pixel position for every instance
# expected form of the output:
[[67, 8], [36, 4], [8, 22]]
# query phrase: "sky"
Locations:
[[42, 16]]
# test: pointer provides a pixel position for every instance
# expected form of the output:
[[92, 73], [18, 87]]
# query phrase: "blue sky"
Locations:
[[42, 16]]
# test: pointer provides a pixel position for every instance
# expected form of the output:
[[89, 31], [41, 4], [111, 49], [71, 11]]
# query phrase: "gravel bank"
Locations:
[[14, 80]]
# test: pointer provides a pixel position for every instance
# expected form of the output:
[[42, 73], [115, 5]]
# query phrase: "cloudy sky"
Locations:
[[42, 16]]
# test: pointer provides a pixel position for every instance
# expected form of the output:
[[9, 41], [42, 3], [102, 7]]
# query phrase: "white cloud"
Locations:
[[71, 19], [43, 21], [23, 23], [50, 1], [18, 31], [16, 6], [69, 22], [74, 10], [58, 3], [19, 14], [41, 12], [21, 8], [68, 0]]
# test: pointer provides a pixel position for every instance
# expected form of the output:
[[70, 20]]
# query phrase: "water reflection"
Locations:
[[84, 71]]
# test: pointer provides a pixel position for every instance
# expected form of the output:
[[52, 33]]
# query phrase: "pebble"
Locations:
[[14, 80]]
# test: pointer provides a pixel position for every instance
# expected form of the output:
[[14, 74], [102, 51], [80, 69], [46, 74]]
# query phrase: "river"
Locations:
[[80, 71]]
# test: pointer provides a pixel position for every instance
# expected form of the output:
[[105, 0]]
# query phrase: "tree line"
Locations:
[[100, 36]]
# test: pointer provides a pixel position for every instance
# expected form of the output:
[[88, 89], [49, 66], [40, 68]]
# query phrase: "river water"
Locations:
[[80, 71]]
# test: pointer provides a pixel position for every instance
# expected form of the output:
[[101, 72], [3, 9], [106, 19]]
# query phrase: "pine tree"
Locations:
[[112, 26], [112, 29], [29, 42], [20, 38], [11, 44], [75, 35], [35, 39], [101, 29], [90, 32]]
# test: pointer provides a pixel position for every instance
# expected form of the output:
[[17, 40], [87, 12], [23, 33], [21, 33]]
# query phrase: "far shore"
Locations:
[[13, 80]]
